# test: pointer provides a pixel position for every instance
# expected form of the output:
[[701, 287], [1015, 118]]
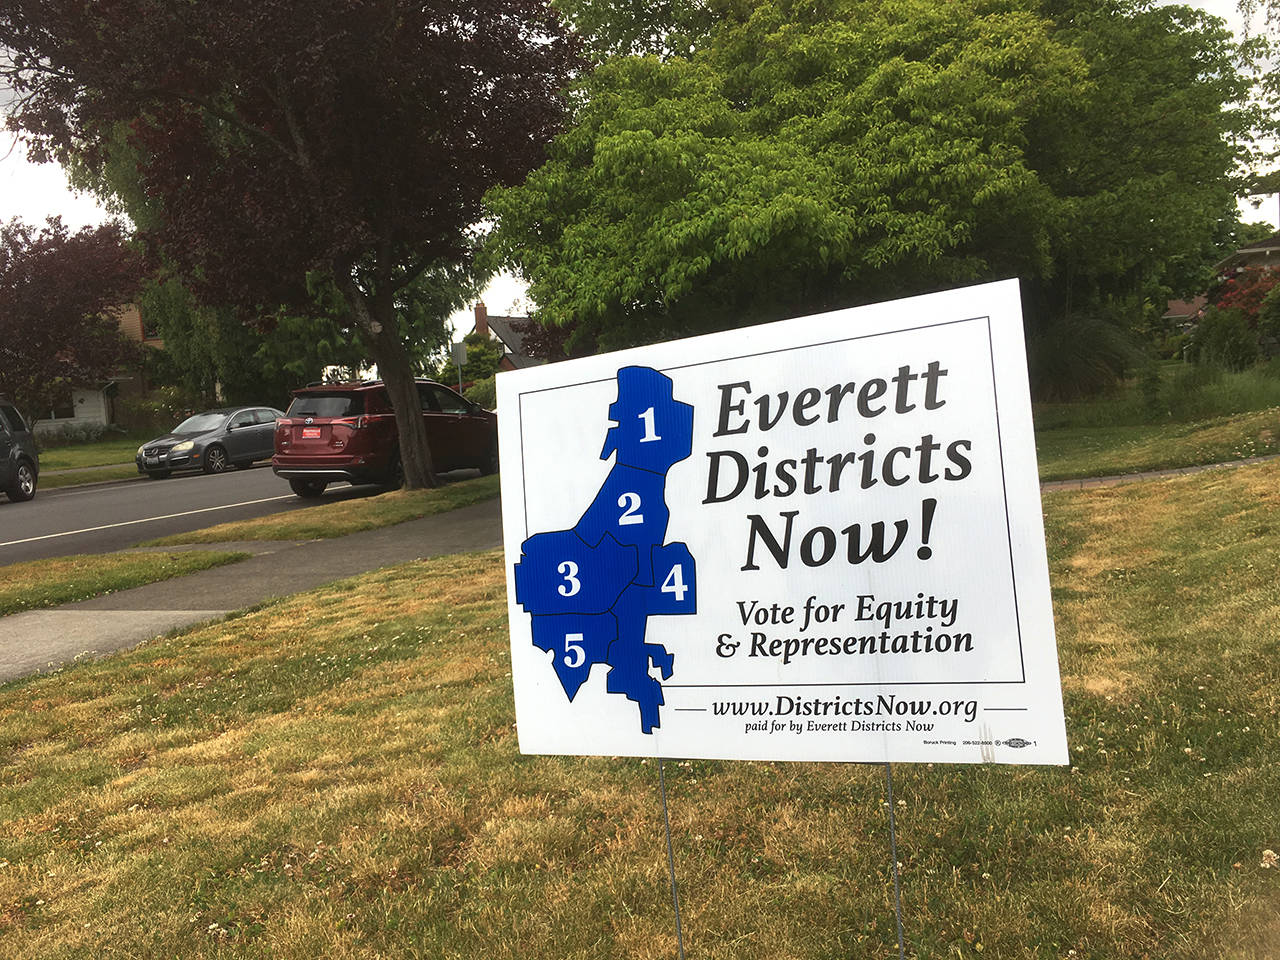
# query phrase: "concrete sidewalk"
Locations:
[[42, 640]]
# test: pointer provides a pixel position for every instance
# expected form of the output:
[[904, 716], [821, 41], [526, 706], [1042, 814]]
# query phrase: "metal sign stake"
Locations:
[[893, 852], [671, 860]]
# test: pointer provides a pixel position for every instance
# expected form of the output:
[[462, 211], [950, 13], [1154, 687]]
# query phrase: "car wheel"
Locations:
[[490, 464], [24, 483], [310, 489], [395, 473], [157, 474], [215, 460]]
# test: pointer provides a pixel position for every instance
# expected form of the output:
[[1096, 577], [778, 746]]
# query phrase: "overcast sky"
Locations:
[[35, 191]]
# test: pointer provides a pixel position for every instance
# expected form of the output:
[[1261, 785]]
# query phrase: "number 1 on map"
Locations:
[[649, 433]]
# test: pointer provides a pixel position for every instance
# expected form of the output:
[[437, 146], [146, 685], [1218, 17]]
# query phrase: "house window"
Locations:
[[64, 407]]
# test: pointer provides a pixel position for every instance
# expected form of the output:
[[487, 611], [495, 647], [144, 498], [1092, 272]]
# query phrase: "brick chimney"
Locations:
[[482, 319]]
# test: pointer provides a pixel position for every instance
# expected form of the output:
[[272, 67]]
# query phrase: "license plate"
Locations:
[[152, 461], [310, 433]]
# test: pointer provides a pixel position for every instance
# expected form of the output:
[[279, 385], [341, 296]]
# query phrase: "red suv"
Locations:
[[347, 432]]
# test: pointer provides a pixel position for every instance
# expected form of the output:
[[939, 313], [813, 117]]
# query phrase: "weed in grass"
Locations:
[[337, 774]]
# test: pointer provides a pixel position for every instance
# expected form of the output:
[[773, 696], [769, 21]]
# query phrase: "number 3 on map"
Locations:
[[569, 570], [675, 583]]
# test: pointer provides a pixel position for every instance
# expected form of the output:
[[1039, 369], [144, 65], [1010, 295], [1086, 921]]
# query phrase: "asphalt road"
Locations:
[[106, 517]]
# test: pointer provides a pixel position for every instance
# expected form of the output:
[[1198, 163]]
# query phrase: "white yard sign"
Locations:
[[818, 539]]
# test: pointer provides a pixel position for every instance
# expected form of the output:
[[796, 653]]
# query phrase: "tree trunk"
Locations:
[[379, 332]]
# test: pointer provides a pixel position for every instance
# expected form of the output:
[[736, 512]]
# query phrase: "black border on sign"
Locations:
[[1004, 490]]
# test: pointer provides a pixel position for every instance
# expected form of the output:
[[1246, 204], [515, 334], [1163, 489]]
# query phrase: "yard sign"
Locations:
[[818, 539]]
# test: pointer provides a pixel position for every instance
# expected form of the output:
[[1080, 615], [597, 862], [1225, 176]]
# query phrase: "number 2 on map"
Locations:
[[630, 503]]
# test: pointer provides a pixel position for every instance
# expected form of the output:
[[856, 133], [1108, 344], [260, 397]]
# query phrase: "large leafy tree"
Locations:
[[811, 154], [59, 294], [290, 147]]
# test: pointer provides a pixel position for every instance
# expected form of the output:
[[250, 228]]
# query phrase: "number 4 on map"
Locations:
[[674, 571]]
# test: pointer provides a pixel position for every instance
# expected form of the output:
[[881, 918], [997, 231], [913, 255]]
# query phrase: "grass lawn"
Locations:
[[50, 481], [113, 450], [336, 775], [1089, 451], [344, 517], [47, 583]]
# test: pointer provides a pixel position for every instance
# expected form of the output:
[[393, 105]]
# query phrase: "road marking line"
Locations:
[[126, 523]]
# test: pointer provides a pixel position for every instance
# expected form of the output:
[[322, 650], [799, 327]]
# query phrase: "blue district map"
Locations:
[[591, 590]]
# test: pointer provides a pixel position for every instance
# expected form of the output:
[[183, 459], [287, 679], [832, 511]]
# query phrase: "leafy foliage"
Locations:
[[214, 357], [287, 146], [1245, 291], [484, 354], [813, 155], [1223, 338], [484, 392], [58, 324]]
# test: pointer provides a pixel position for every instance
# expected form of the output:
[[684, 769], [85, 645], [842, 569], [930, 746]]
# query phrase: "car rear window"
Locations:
[[14, 419], [327, 405]]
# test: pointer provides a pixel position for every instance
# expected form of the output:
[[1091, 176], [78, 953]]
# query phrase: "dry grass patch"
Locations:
[[336, 775], [343, 517]]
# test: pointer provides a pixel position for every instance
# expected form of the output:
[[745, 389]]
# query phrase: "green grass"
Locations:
[[48, 583], [53, 481], [108, 452], [1196, 416], [336, 775], [347, 516], [1070, 452], [1182, 393]]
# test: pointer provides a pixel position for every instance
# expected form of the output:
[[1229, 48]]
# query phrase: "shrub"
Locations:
[[159, 411], [1074, 357], [484, 392], [68, 434], [1223, 338]]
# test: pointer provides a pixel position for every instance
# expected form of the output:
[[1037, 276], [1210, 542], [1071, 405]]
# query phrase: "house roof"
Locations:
[[504, 329], [1184, 308], [1260, 252]]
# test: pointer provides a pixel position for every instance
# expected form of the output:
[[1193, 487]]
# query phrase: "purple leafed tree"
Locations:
[[288, 146], [58, 324]]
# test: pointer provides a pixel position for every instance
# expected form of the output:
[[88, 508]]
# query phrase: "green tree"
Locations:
[[290, 148], [214, 357], [484, 354], [813, 155]]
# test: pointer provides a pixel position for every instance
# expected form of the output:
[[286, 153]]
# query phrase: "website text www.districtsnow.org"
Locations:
[[881, 705]]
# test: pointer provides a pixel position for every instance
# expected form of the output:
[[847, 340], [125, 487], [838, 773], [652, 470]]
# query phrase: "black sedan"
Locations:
[[212, 441]]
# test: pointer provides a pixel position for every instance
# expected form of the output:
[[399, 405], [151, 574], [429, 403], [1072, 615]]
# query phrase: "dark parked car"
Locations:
[[211, 441], [19, 462], [347, 433]]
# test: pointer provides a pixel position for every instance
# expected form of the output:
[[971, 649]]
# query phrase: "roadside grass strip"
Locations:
[[344, 517], [1069, 453], [50, 481], [35, 584], [336, 774], [109, 452]]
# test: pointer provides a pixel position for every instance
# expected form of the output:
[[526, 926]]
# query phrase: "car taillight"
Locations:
[[355, 423]]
